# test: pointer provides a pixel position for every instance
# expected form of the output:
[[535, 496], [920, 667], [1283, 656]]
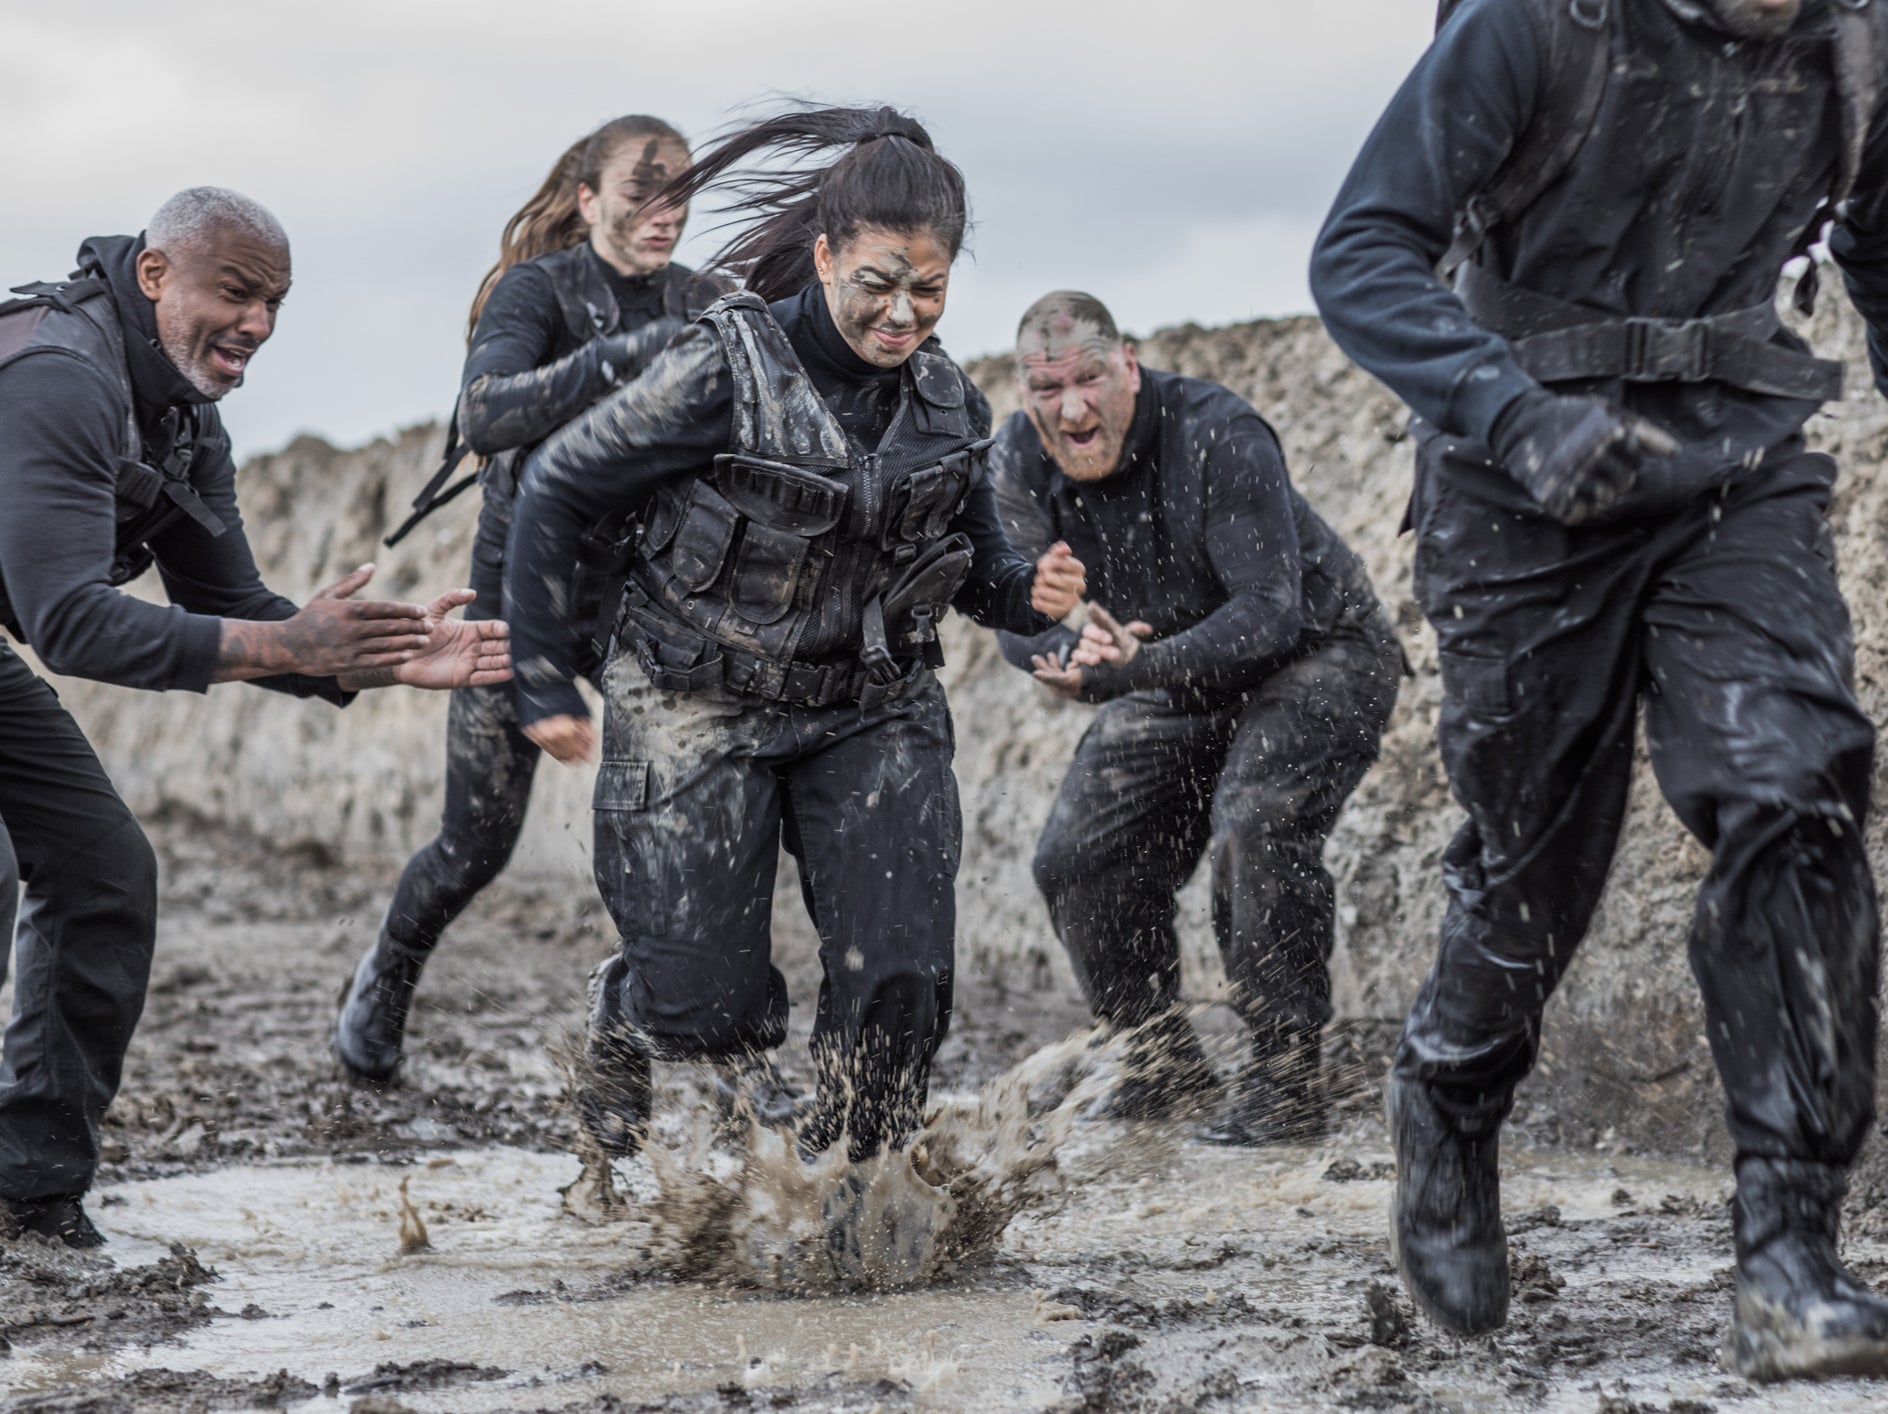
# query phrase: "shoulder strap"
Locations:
[[435, 493], [1576, 44], [65, 295]]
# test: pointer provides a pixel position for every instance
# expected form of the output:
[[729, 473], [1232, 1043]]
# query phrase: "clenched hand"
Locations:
[[1061, 580]]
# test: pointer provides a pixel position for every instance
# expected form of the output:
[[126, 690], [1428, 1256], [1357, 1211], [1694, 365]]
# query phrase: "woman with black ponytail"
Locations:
[[583, 294], [808, 464]]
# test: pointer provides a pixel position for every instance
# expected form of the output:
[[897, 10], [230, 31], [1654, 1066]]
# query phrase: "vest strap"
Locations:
[[1558, 341]]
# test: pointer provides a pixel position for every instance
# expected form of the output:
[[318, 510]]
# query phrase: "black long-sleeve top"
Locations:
[[1705, 164], [1198, 532], [525, 373], [60, 447], [670, 423]]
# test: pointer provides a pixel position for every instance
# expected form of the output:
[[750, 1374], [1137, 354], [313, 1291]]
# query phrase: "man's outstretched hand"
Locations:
[[458, 653]]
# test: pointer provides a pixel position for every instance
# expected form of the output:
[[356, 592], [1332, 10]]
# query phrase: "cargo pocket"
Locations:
[[766, 573], [622, 785], [703, 537], [1476, 684]]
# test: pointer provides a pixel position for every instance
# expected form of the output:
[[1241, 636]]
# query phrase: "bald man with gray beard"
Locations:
[[1244, 672]]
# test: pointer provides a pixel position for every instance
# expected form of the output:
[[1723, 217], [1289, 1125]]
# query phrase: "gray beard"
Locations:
[[1744, 19], [197, 376]]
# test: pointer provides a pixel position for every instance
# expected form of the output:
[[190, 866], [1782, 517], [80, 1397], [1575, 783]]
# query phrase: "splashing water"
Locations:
[[905, 1218]]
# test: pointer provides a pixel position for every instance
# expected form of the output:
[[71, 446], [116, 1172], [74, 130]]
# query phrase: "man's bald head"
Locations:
[[1079, 382], [1063, 318]]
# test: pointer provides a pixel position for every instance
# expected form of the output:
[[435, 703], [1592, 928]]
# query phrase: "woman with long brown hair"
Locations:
[[808, 463], [584, 293]]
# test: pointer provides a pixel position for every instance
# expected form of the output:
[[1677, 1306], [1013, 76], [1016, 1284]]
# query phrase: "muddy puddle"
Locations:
[[1177, 1276]]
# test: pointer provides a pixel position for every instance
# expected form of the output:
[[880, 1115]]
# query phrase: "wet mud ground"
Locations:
[[254, 1201]]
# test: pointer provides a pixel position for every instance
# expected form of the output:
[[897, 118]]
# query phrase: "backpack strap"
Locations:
[[432, 496], [1576, 55]]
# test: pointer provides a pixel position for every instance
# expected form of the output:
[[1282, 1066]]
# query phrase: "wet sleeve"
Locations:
[[607, 462], [1027, 522], [509, 396], [996, 594], [1252, 545], [1443, 136], [58, 536], [217, 575], [1859, 244]]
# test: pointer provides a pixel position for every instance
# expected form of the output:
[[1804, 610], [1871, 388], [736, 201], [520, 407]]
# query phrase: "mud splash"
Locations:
[[772, 1219]]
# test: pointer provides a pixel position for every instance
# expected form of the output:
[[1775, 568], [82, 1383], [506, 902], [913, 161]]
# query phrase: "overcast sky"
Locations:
[[1173, 157]]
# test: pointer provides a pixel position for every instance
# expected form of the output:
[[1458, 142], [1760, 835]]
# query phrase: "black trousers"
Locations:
[[1160, 779], [1725, 620], [490, 765], [696, 794], [82, 951]]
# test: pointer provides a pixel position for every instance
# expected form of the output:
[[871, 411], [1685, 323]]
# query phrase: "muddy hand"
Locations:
[[1061, 580], [567, 739], [1063, 681], [1106, 640], [458, 653], [1576, 455]]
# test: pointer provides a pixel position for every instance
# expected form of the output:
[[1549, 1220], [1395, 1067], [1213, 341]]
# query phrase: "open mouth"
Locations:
[[228, 361], [1084, 439]]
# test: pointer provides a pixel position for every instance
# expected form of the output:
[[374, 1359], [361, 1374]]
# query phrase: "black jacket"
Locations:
[[1704, 168], [556, 334], [670, 424], [1199, 533], [85, 397]]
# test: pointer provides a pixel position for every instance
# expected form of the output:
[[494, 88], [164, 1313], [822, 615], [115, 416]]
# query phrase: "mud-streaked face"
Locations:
[[1078, 388], [215, 304], [630, 234], [885, 289]]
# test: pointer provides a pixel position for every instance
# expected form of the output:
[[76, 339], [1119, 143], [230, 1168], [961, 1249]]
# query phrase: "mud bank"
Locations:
[[1624, 1060]]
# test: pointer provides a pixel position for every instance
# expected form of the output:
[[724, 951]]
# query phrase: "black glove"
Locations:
[[1575, 456]]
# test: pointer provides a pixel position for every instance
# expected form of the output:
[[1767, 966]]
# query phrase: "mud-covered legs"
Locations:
[[1725, 617], [695, 796], [1254, 784]]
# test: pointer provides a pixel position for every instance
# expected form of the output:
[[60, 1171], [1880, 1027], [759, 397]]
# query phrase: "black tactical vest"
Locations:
[[154, 489], [801, 567]]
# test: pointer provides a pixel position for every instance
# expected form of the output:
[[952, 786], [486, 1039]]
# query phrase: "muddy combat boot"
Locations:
[[1799, 1313], [1277, 1096], [1165, 1074], [754, 1087], [1445, 1218], [615, 1089], [60, 1217], [369, 1033]]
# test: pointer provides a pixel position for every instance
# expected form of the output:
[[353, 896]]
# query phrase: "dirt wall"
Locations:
[[1624, 1049]]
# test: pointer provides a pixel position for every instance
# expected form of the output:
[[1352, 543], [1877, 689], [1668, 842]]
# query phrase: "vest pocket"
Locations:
[[702, 539], [767, 573]]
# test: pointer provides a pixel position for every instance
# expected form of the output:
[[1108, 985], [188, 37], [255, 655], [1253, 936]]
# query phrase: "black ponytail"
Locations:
[[892, 177]]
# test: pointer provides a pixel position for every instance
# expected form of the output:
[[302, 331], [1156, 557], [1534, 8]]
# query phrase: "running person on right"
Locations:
[[1614, 507]]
